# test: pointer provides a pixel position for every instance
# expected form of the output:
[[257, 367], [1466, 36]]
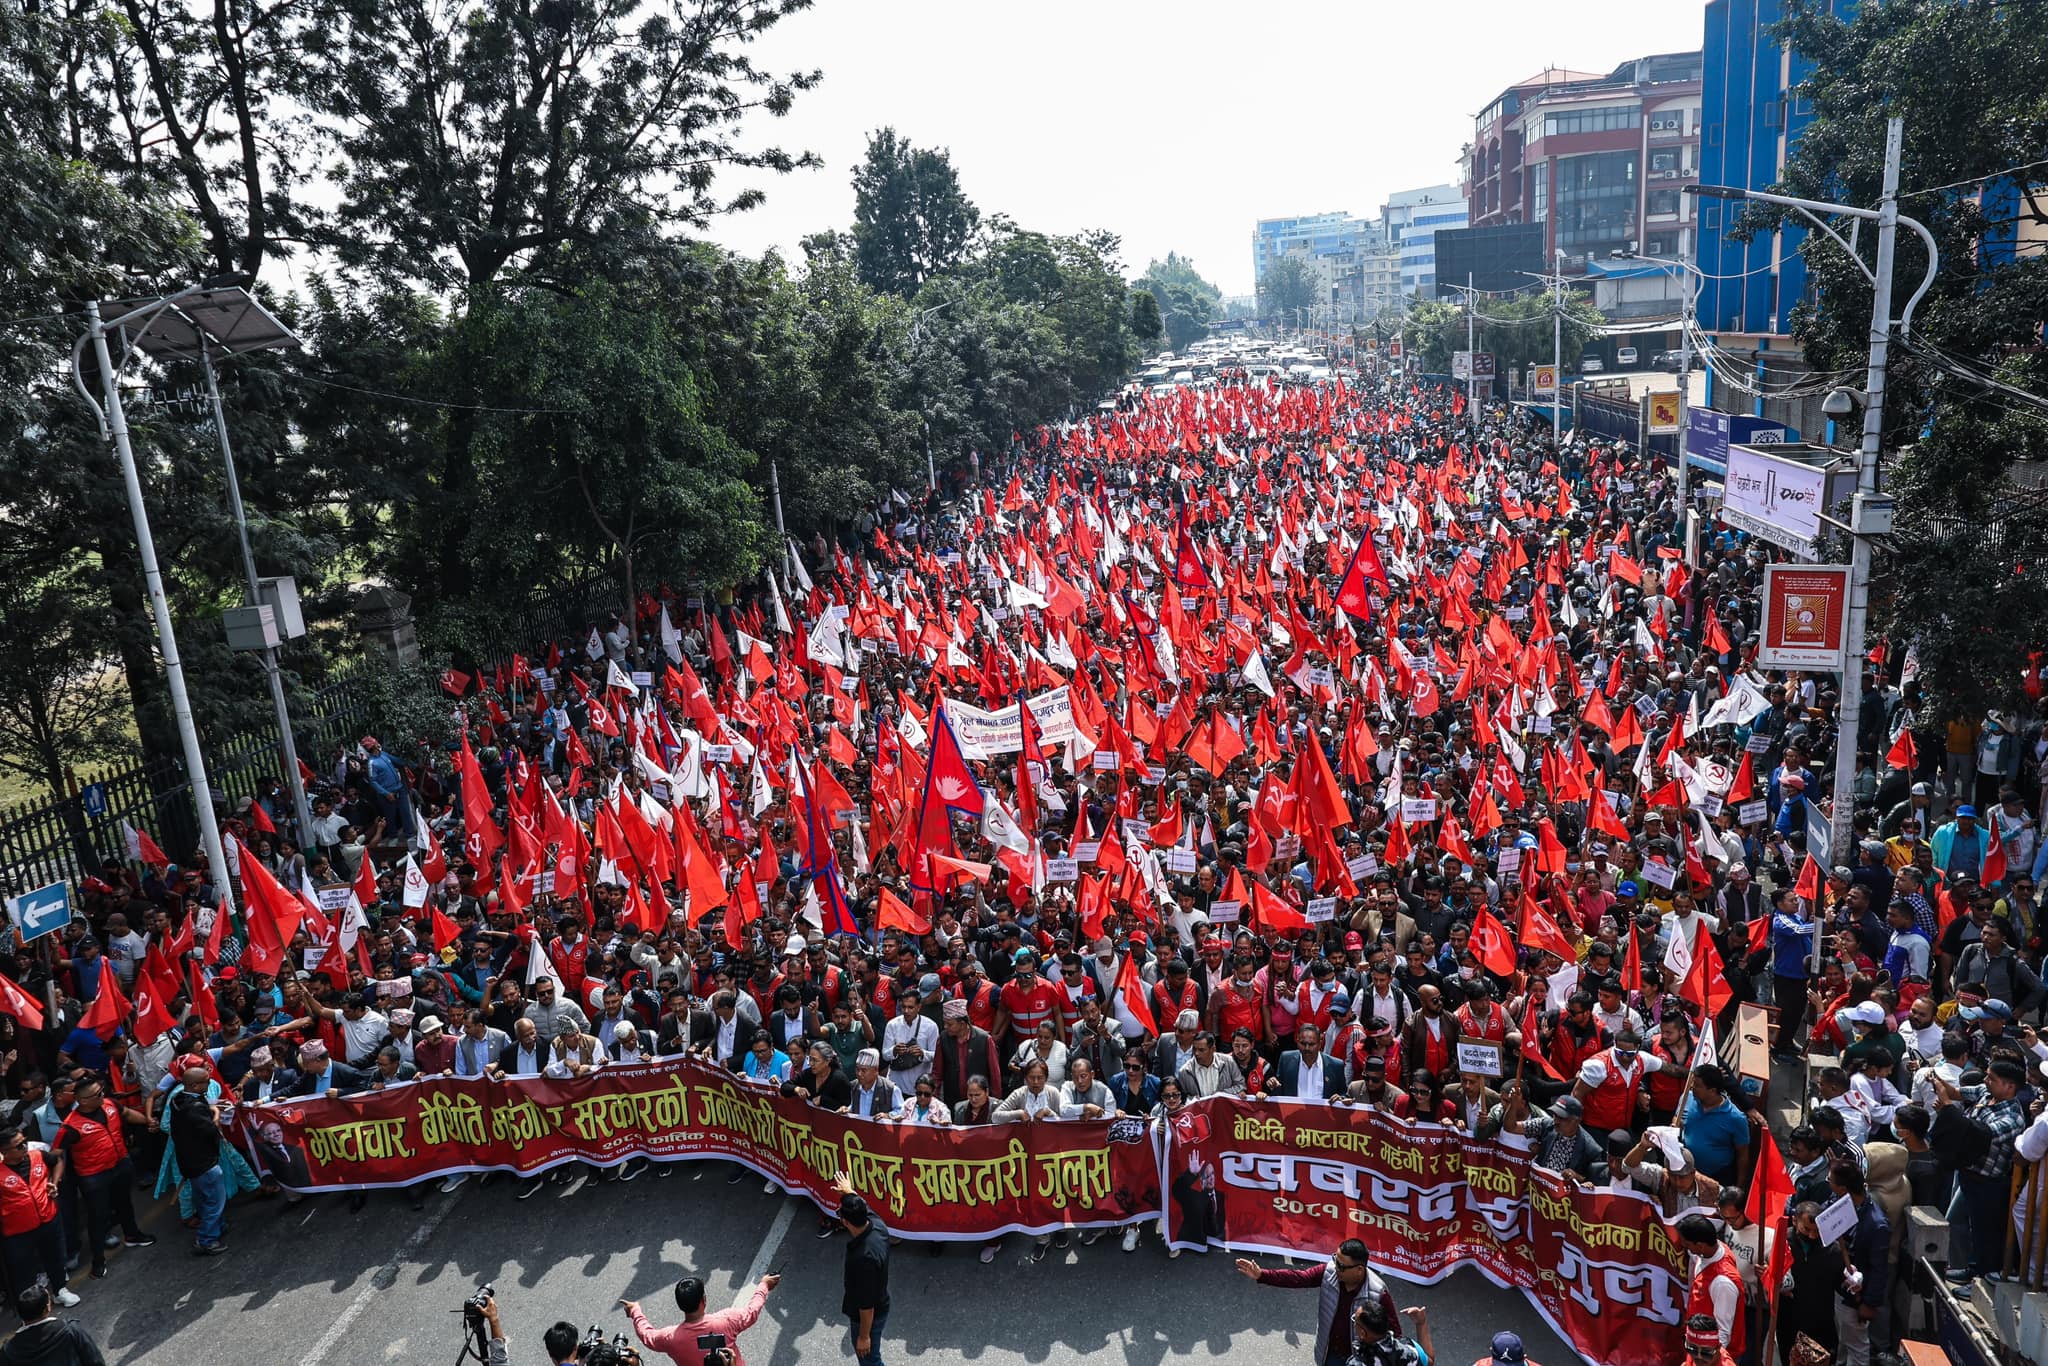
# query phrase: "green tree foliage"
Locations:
[[1290, 283], [1146, 324], [1187, 302], [516, 365], [910, 219], [1961, 576]]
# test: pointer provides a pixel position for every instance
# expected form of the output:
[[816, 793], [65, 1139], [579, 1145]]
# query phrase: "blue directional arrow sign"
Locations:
[[43, 911]]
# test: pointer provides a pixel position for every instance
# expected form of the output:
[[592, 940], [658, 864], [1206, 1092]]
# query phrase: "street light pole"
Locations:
[[1557, 351], [1870, 511], [1472, 351], [290, 748], [116, 423]]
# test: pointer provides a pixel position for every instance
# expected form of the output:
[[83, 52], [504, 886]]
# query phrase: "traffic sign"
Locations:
[[43, 911], [93, 797]]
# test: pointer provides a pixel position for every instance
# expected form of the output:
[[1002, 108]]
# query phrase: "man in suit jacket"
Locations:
[[723, 1036], [1429, 1041], [1212, 1073], [320, 1074], [1306, 1072]]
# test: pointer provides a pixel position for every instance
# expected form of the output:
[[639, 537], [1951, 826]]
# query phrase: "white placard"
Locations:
[[1418, 810], [1758, 743], [1660, 875], [1225, 912], [1482, 1058], [718, 754], [642, 678], [1136, 831], [1508, 861], [1364, 866], [334, 898], [1106, 759], [1836, 1218], [1752, 811], [1086, 850], [1287, 846], [1062, 870], [1180, 860], [1321, 676], [1320, 910], [1540, 724], [1155, 774]]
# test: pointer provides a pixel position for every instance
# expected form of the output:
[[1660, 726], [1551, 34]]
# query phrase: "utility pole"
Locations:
[[1870, 510], [1557, 351], [1472, 350], [116, 422], [292, 778]]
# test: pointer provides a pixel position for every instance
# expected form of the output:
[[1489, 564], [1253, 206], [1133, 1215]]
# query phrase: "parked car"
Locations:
[[1676, 359], [1591, 365], [1624, 357]]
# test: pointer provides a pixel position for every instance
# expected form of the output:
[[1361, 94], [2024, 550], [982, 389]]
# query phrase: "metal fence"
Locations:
[[64, 838]]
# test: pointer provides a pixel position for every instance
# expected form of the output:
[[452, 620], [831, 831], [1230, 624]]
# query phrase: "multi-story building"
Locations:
[[1412, 218], [1323, 239], [1751, 118], [1599, 160]]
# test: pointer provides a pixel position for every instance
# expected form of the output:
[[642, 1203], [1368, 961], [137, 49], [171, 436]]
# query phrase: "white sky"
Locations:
[[1177, 125]]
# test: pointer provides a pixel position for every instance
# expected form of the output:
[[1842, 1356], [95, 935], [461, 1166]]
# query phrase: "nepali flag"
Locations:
[[1365, 566], [949, 789], [835, 911], [1188, 570]]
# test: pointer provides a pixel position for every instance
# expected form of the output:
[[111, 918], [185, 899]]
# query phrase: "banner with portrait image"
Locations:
[[1292, 1178], [922, 1182]]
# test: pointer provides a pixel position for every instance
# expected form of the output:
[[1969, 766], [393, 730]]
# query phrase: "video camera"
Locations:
[[476, 1329], [716, 1349], [596, 1350]]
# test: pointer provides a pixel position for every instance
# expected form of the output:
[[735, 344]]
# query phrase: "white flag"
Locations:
[[796, 568], [594, 647], [1255, 673], [415, 884], [671, 638]]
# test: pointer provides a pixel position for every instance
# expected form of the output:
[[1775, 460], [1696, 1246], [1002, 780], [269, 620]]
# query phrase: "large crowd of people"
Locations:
[[1378, 726]]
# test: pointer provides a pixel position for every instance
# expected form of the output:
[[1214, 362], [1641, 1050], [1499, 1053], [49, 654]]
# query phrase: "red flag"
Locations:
[[110, 1009], [446, 931], [1901, 754], [1539, 931], [1532, 1036], [1133, 990], [1632, 962], [1807, 888], [1322, 797], [1273, 913], [894, 915], [1365, 565], [22, 1006], [1993, 872], [1706, 984], [1496, 952], [260, 818]]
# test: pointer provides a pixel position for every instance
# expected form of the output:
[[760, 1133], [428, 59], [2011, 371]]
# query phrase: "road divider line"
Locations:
[[386, 1276]]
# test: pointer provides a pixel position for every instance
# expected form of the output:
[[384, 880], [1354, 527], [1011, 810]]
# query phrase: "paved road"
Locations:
[[319, 1286]]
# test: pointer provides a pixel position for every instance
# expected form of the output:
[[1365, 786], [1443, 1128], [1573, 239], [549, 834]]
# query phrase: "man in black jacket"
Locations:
[[45, 1339], [865, 1300], [964, 1051]]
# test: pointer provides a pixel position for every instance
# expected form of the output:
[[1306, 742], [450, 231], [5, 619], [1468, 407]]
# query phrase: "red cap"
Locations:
[[227, 974], [1354, 940]]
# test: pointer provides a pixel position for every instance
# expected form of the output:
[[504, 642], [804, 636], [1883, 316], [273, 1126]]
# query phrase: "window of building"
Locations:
[[1661, 244], [1594, 202], [1592, 121], [1662, 202], [1665, 163], [1540, 181]]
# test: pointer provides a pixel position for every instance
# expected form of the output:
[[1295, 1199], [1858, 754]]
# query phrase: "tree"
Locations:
[[910, 217], [1146, 324], [1290, 283], [1432, 330], [549, 144], [61, 701], [1969, 82], [1187, 302]]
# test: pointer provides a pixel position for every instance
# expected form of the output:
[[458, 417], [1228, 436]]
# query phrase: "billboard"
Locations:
[[1471, 365], [1781, 499], [1664, 408], [1543, 379], [1495, 257], [1806, 617]]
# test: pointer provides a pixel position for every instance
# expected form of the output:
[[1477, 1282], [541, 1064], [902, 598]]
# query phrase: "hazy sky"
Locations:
[[1176, 125]]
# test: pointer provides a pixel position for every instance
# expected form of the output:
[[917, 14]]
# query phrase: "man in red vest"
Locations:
[[1610, 1083], [90, 1139], [30, 1245], [1715, 1290]]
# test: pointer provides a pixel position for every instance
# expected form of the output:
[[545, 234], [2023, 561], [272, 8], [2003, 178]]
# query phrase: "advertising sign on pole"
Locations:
[[1545, 380], [1664, 411], [1806, 614]]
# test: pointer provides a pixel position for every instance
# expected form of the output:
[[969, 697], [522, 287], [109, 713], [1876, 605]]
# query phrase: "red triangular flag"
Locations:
[[109, 1010]]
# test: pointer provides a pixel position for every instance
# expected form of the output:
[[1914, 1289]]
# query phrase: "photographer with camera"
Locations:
[[701, 1339], [486, 1337]]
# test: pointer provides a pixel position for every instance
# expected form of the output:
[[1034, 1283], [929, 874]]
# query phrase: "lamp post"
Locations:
[[931, 472], [1685, 335], [1870, 511]]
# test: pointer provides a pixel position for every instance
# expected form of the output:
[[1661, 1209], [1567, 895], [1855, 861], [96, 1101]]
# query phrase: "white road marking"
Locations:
[[386, 1276], [771, 1242]]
